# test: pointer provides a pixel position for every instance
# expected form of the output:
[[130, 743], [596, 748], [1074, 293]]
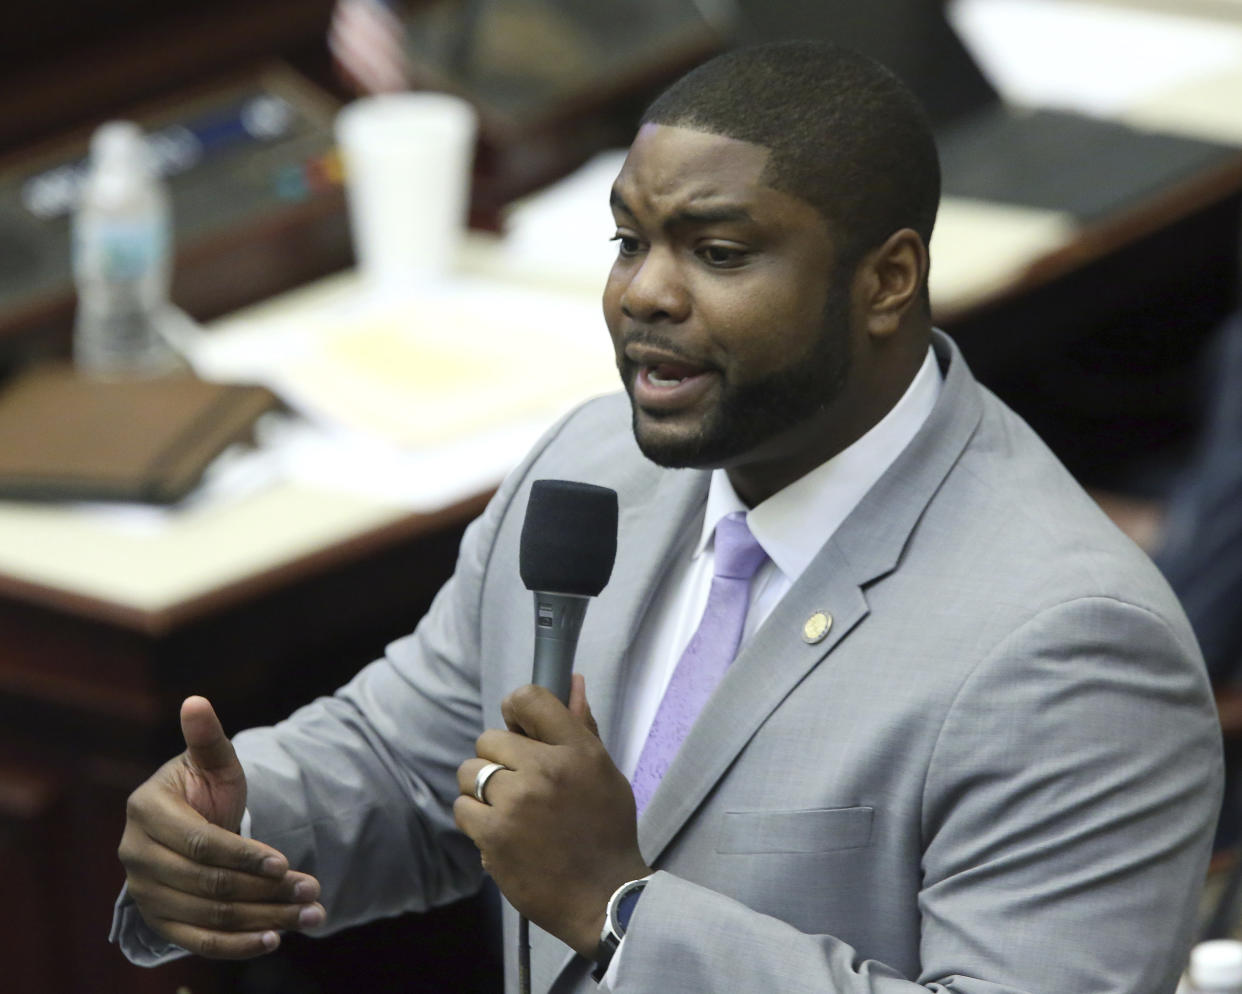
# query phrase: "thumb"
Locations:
[[215, 784], [207, 747], [578, 705]]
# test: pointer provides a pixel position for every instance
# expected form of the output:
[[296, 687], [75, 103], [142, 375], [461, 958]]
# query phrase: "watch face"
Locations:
[[624, 909]]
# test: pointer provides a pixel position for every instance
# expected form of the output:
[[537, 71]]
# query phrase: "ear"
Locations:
[[889, 281]]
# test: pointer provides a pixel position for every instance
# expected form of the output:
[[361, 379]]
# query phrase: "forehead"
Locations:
[[670, 168]]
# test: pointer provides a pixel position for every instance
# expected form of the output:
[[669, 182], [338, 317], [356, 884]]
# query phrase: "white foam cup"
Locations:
[[407, 160]]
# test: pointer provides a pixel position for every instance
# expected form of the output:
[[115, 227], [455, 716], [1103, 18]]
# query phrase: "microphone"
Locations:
[[569, 544]]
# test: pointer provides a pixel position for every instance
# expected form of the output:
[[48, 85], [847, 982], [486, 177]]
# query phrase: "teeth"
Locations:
[[662, 381]]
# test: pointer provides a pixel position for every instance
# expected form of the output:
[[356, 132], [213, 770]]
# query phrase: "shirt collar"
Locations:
[[818, 502]]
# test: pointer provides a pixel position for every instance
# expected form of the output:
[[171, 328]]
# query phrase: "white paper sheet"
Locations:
[[1094, 58]]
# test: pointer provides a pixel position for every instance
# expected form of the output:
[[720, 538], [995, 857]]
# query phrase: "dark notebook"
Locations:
[[64, 436]]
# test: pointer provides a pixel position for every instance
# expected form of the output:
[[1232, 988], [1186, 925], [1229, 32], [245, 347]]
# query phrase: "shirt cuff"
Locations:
[[140, 943]]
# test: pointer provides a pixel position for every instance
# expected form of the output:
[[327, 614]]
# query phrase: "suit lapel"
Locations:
[[866, 547], [765, 671], [656, 509]]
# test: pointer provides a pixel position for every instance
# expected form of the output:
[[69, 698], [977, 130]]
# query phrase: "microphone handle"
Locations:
[[558, 620]]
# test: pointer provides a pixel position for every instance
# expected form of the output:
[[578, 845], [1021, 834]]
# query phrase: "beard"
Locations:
[[750, 414]]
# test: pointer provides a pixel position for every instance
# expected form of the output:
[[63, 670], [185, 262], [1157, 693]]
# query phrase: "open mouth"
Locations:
[[667, 374], [669, 387], [665, 380]]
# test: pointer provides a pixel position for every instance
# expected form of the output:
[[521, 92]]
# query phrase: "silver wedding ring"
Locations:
[[481, 778]]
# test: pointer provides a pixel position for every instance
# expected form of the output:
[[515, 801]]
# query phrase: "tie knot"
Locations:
[[738, 552]]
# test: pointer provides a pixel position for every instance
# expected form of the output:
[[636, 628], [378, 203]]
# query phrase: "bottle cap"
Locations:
[[1216, 965], [120, 163], [120, 145]]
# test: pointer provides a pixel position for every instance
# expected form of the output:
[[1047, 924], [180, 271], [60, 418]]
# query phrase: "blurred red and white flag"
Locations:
[[367, 41]]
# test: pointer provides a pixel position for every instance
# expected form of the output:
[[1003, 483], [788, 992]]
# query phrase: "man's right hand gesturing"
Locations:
[[195, 880]]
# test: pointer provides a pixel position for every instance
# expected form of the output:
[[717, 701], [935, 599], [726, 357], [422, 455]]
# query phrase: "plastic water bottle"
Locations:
[[1215, 968], [122, 249]]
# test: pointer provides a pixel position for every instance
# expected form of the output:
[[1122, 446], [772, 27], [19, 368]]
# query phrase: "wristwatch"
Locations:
[[616, 920]]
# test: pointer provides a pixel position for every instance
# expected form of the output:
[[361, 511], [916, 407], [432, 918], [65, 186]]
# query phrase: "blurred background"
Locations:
[[258, 519]]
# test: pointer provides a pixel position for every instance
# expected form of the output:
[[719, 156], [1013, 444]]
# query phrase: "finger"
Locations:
[[180, 828], [537, 714], [511, 749], [217, 945], [157, 863], [228, 916], [207, 747], [578, 705], [474, 819]]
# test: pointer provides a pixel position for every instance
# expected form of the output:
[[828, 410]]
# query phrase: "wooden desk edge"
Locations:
[[155, 623], [1097, 240]]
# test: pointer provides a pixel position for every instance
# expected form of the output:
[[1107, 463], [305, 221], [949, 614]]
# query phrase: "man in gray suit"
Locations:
[[967, 743]]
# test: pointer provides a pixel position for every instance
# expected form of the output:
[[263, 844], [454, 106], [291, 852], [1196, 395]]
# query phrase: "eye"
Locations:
[[627, 245], [722, 256]]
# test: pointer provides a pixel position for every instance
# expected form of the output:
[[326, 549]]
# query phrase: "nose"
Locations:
[[655, 290]]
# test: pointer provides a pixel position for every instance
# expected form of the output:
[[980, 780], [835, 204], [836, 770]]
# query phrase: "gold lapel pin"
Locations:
[[816, 628]]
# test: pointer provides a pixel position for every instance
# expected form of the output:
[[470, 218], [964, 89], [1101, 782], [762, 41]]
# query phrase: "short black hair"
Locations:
[[844, 133]]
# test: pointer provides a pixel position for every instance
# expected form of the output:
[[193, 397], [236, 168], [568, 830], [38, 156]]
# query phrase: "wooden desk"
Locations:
[[1097, 341]]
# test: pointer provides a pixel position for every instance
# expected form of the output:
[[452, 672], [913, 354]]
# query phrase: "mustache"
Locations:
[[656, 340]]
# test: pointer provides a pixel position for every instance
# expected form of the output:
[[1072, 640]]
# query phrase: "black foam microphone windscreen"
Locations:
[[569, 537], [569, 542]]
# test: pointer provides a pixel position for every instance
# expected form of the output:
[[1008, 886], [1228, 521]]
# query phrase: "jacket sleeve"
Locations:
[[358, 788]]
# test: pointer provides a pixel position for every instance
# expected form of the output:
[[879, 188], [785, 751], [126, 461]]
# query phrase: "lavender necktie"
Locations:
[[708, 654]]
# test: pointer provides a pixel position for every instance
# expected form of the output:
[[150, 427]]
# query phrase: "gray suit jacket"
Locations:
[[999, 772]]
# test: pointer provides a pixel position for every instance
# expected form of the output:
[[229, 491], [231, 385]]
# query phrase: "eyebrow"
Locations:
[[692, 215]]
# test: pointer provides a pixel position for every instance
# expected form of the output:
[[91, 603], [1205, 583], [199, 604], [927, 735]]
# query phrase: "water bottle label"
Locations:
[[121, 249]]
